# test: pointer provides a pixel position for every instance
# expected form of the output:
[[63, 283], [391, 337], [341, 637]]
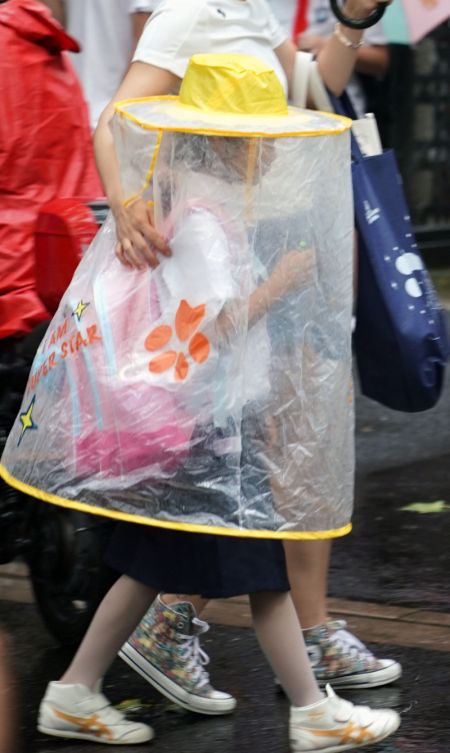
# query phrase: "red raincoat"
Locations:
[[45, 148]]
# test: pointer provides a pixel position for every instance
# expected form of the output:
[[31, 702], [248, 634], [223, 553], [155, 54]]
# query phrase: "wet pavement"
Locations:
[[260, 721], [396, 557]]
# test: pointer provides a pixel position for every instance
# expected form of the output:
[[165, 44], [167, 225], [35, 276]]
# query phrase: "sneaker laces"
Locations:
[[347, 641], [193, 654]]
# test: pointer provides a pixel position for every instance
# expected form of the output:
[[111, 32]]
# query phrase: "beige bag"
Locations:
[[307, 84], [308, 87]]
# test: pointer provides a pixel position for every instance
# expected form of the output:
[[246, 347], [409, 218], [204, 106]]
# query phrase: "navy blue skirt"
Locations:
[[197, 563]]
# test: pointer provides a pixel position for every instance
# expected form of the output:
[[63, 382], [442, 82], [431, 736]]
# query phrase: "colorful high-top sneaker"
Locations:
[[165, 650], [334, 725], [339, 658]]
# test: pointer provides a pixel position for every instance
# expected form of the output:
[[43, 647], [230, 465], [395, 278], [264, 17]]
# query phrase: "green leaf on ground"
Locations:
[[133, 704], [427, 507]]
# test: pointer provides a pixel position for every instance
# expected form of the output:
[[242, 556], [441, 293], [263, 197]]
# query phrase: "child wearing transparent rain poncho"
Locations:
[[157, 393]]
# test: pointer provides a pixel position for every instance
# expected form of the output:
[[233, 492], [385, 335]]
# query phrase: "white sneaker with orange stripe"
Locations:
[[77, 712], [333, 725]]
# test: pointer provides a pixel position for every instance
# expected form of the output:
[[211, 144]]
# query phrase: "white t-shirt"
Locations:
[[179, 29], [104, 30], [321, 23], [201, 270]]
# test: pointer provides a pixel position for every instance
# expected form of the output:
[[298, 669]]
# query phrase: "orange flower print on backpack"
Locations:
[[187, 321]]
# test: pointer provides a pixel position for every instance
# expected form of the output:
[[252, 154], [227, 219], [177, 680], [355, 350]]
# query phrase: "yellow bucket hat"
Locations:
[[229, 95]]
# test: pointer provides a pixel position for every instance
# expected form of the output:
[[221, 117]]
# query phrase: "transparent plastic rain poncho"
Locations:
[[212, 393]]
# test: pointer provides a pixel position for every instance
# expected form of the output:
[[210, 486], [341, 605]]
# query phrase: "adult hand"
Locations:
[[138, 243], [359, 9]]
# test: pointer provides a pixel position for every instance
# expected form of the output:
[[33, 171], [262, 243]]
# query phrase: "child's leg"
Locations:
[[279, 633], [307, 565], [173, 629], [117, 616], [316, 722]]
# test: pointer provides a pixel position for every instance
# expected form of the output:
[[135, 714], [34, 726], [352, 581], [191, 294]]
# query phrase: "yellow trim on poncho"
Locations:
[[54, 499]]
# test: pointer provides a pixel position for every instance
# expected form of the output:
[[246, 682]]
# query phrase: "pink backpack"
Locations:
[[122, 423]]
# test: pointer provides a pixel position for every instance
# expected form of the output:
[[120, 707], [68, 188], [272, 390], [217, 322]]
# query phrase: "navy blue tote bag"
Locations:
[[401, 340]]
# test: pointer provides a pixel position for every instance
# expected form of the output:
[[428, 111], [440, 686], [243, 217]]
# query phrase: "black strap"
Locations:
[[358, 23]]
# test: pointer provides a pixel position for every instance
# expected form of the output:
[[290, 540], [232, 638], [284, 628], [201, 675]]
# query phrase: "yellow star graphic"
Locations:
[[78, 311], [27, 419]]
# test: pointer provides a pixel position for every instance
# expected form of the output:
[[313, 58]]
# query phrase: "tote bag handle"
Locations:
[[307, 85]]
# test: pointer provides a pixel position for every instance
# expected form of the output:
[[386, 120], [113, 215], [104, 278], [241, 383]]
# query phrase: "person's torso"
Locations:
[[321, 22], [222, 26]]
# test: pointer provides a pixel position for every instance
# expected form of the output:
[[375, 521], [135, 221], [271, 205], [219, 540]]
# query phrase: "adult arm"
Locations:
[[335, 61], [136, 236], [372, 60], [159, 65]]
